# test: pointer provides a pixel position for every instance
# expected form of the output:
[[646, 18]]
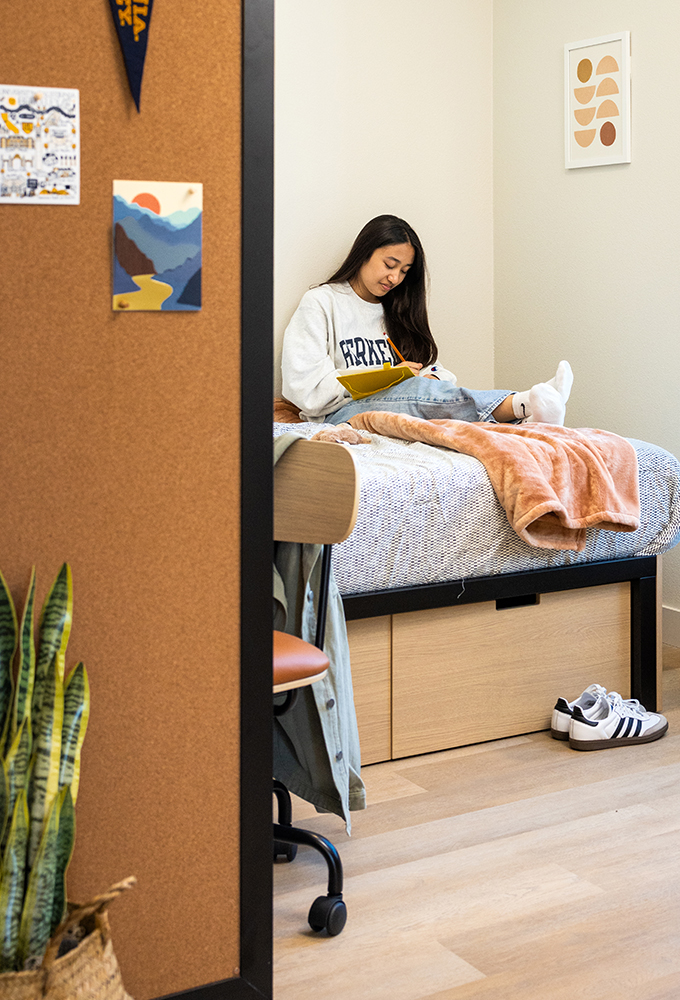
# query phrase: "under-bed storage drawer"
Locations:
[[370, 645], [436, 679], [473, 673]]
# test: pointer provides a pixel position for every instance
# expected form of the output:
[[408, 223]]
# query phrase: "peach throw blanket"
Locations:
[[553, 482], [285, 412]]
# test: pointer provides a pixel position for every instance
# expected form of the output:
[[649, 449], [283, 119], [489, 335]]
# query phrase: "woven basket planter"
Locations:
[[89, 971]]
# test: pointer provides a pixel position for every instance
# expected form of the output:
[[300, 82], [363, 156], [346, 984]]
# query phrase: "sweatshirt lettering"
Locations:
[[364, 351], [374, 357], [347, 352], [386, 355]]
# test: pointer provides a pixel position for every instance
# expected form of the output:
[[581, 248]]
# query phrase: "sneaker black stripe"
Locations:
[[620, 726], [638, 727]]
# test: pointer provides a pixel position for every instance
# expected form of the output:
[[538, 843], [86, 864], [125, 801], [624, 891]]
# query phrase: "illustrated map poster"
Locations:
[[157, 245], [39, 146]]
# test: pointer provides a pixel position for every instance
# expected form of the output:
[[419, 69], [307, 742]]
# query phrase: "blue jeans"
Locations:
[[427, 398]]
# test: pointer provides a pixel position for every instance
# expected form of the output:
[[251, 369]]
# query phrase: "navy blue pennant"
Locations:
[[132, 19]]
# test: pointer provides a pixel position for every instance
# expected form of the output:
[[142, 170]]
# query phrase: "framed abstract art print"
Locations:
[[597, 101]]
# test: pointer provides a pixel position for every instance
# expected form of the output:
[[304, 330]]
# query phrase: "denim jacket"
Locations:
[[316, 743]]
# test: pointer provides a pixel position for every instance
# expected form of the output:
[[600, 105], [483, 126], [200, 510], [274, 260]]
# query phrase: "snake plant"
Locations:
[[43, 719]]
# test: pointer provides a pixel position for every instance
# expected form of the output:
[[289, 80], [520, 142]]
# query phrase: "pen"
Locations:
[[398, 353]]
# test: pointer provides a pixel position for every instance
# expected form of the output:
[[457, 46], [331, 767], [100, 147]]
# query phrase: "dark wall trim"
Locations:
[[228, 989], [257, 309], [257, 321]]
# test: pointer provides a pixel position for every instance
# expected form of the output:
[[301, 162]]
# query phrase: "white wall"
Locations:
[[406, 107], [586, 260], [387, 108]]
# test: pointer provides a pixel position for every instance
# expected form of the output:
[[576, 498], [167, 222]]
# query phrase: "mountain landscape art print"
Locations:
[[157, 245]]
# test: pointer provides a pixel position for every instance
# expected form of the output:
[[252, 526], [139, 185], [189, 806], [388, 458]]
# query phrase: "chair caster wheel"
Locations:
[[287, 851], [328, 913]]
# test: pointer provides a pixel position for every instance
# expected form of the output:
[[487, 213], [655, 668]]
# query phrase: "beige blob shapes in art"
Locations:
[[607, 110], [584, 94], [586, 137], [608, 134], [607, 64], [584, 70], [584, 116], [608, 86]]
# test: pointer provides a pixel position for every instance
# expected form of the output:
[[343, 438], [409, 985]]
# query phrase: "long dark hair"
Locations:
[[405, 306]]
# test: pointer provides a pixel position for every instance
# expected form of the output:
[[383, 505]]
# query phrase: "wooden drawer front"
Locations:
[[473, 673], [370, 642]]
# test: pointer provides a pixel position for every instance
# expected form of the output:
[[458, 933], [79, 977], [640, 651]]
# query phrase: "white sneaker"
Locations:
[[614, 722], [564, 710]]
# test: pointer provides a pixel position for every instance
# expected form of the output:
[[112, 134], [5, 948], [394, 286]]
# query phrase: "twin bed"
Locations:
[[459, 630]]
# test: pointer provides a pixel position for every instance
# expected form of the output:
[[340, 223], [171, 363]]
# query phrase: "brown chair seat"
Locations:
[[296, 662]]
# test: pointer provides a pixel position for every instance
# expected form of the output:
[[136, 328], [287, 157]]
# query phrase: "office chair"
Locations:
[[316, 492]]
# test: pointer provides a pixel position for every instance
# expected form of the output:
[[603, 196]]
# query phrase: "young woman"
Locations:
[[375, 302]]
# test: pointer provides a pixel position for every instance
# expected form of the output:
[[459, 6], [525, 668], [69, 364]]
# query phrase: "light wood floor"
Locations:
[[513, 870]]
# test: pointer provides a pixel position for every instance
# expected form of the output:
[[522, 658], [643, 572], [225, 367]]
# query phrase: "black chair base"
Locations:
[[329, 912]]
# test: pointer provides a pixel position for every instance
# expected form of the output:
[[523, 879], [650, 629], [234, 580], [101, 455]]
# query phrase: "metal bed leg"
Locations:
[[643, 641]]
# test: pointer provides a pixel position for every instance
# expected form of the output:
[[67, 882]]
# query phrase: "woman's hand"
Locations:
[[415, 368]]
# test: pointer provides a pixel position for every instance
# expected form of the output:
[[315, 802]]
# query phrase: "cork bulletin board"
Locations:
[[121, 455]]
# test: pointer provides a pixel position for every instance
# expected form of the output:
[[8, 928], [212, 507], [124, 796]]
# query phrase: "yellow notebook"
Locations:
[[362, 382]]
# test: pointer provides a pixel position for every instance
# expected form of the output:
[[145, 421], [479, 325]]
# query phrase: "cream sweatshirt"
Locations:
[[333, 329]]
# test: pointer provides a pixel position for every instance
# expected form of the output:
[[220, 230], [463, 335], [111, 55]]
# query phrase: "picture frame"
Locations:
[[597, 101]]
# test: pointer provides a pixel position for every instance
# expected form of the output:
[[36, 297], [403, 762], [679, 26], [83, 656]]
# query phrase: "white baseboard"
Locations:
[[671, 626]]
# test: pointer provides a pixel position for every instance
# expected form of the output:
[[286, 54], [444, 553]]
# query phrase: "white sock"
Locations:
[[546, 404], [539, 405], [563, 380]]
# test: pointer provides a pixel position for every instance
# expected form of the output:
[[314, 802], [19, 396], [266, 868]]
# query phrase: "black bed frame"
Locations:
[[515, 589]]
